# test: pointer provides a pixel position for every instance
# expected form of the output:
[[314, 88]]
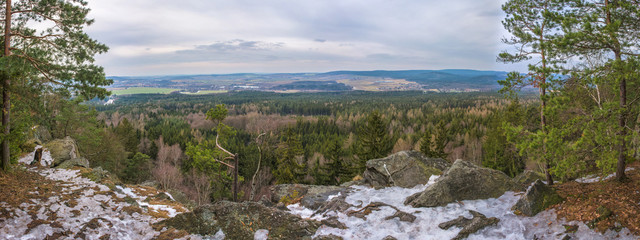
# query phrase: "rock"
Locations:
[[353, 183], [100, 175], [80, 162], [328, 237], [464, 181], [311, 196], [182, 198], [469, 226], [389, 238], [403, 169], [62, 150], [158, 197], [403, 216], [230, 217], [334, 223], [37, 156], [363, 212], [538, 197], [528, 177], [337, 204]]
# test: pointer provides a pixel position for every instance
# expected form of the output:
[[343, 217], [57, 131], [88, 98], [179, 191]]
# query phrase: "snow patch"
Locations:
[[261, 234], [595, 178], [543, 226], [46, 160]]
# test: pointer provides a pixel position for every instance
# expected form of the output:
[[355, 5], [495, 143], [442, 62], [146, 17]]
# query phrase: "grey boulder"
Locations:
[[232, 218], [464, 181], [403, 169], [538, 197], [62, 150]]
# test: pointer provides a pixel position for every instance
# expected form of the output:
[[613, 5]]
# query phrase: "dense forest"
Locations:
[[314, 138]]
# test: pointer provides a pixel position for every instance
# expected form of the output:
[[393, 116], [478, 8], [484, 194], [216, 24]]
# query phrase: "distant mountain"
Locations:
[[447, 80]]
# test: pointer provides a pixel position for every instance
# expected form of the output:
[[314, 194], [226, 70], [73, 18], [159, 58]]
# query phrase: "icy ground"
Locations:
[[82, 209], [542, 226]]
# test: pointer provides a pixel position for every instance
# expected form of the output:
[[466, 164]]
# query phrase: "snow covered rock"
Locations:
[[528, 177], [537, 198], [242, 221], [80, 161], [403, 169], [62, 150], [312, 196], [464, 181], [469, 226]]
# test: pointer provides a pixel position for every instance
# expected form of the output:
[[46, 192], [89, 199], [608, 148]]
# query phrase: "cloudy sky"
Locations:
[[158, 37]]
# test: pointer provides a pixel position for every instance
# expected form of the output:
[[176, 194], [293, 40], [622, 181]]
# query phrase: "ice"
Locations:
[[45, 161], [543, 226], [261, 234], [596, 178], [95, 215]]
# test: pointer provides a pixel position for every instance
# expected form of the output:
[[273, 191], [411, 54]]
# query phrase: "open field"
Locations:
[[205, 92], [143, 90]]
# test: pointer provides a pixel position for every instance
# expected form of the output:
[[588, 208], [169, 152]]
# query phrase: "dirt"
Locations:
[[603, 205]]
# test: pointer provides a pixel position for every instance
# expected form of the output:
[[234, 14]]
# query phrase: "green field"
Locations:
[[205, 92], [143, 90]]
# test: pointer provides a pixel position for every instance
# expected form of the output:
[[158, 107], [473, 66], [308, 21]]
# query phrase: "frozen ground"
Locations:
[[511, 226], [80, 209]]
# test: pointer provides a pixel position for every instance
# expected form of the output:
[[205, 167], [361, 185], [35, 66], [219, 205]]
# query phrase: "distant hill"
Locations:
[[448, 80]]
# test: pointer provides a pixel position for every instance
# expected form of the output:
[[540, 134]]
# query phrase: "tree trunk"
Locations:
[[620, 175], [235, 178], [6, 98]]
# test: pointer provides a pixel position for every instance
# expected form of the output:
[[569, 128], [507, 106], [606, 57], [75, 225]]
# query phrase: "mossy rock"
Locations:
[[242, 220], [537, 198], [62, 150], [403, 169], [464, 181]]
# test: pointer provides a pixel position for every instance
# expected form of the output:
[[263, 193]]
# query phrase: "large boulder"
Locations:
[[403, 169], [62, 150], [464, 181], [528, 177], [241, 221], [538, 197], [310, 196], [80, 162]]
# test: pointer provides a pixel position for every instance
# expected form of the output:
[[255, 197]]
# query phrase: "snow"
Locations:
[[543, 226], [45, 161], [261, 234], [171, 212], [80, 206], [595, 178]]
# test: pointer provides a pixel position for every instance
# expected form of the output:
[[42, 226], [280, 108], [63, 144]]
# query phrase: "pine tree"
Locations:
[[374, 140], [60, 55], [287, 169], [606, 35], [432, 145], [533, 24]]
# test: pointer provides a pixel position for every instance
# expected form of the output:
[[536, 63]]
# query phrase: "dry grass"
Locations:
[[21, 185], [623, 199]]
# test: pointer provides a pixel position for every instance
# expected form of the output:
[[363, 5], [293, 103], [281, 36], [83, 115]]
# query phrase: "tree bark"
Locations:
[[235, 178], [6, 98]]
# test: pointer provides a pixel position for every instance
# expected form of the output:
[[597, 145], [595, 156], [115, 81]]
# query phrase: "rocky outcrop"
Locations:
[[469, 226], [311, 196], [464, 181], [537, 198], [241, 221], [80, 162], [62, 150], [403, 169], [528, 177]]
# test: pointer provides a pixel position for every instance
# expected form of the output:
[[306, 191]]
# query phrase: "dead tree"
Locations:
[[235, 158], [253, 179]]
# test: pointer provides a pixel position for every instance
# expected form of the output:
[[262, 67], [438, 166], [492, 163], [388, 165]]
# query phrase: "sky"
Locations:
[[169, 37]]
